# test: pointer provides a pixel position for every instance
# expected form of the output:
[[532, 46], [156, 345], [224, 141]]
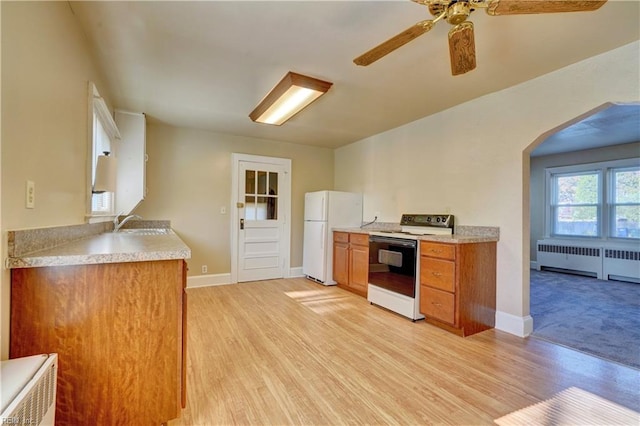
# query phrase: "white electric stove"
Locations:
[[394, 268]]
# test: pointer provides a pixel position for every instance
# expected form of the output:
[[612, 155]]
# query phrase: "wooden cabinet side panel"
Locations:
[[116, 328], [183, 348], [477, 286], [359, 269]]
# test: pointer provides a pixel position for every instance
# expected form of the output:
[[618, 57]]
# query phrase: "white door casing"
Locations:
[[260, 225]]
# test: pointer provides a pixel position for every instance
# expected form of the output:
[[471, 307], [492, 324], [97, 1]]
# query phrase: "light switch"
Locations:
[[223, 210], [30, 195]]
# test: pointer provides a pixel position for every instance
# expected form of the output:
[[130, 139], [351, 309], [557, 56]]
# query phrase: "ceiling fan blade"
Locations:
[[394, 42], [462, 48], [520, 7]]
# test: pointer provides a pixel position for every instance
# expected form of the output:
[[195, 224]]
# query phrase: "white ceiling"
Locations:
[[614, 125], [206, 65]]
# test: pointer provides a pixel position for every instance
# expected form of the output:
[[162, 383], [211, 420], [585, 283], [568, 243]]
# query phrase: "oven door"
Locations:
[[392, 264]]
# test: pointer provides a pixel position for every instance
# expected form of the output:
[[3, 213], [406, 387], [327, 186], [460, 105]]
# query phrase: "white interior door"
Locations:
[[262, 237]]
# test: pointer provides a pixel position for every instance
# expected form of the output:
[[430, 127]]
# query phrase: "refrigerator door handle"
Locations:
[[322, 238]]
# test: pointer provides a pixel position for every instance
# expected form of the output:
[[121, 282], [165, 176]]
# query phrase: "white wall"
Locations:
[[471, 160], [189, 180]]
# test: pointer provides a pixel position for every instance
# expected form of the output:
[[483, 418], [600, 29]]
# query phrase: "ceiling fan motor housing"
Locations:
[[458, 12]]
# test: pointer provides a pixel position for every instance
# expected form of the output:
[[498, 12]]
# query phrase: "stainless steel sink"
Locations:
[[146, 231]]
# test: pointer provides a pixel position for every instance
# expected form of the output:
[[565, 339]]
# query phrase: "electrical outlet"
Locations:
[[204, 269], [30, 200]]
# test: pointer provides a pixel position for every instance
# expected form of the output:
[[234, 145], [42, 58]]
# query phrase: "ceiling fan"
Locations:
[[462, 48]]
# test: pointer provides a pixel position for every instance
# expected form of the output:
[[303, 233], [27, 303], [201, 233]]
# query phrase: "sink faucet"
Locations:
[[117, 225]]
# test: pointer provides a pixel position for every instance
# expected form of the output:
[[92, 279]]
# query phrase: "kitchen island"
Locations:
[[113, 306]]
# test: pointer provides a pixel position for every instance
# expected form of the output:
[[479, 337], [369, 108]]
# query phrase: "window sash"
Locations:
[[624, 219], [572, 210]]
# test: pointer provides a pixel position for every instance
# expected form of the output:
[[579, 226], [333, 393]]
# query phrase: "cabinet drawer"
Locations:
[[438, 273], [341, 237], [443, 251], [359, 239], [437, 304]]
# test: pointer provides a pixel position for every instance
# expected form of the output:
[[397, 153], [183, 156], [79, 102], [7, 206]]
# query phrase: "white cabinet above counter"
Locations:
[[132, 158]]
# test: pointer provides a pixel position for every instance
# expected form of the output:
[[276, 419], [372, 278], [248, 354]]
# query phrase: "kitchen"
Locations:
[[478, 169]]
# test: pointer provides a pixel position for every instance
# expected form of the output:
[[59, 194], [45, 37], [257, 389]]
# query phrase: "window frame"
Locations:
[[98, 111], [612, 204], [606, 229]]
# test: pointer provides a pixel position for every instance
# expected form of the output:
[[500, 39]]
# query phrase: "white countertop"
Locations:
[[109, 247]]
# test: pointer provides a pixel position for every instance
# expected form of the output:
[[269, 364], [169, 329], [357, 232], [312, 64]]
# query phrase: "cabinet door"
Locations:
[[359, 278], [132, 158], [341, 263]]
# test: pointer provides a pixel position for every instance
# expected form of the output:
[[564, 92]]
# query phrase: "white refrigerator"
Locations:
[[323, 211]]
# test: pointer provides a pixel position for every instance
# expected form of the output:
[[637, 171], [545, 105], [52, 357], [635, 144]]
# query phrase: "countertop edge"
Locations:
[[94, 259], [453, 239], [84, 252]]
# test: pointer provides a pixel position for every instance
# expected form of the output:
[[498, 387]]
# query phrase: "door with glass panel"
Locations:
[[260, 227]]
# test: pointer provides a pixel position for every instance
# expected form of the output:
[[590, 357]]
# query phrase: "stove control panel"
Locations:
[[435, 220]]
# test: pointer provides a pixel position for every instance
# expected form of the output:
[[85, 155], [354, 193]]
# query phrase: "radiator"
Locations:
[[621, 264], [29, 390], [570, 256]]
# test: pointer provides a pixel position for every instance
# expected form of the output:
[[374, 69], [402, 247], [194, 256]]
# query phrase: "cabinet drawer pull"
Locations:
[[436, 304], [436, 251], [436, 274]]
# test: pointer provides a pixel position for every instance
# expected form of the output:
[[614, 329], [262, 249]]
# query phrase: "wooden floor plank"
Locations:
[[295, 352]]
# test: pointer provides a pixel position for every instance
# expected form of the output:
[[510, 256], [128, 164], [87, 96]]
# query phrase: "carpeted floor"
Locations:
[[598, 317]]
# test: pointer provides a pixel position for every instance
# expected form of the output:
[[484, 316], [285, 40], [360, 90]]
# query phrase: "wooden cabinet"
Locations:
[[119, 330], [351, 261], [458, 285]]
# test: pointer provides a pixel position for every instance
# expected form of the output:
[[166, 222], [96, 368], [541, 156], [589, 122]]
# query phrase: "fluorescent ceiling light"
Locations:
[[291, 95]]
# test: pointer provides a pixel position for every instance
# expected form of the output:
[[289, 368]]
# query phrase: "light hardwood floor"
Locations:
[[295, 352]]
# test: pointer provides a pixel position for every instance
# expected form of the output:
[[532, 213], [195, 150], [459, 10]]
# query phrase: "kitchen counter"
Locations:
[[477, 235], [127, 245]]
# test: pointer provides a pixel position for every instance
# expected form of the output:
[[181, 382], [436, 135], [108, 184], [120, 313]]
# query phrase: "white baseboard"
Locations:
[[208, 280], [296, 272], [533, 265], [224, 279], [513, 324]]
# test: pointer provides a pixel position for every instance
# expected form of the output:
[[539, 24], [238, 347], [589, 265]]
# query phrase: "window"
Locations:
[[595, 200], [104, 135], [576, 204], [625, 202], [261, 195]]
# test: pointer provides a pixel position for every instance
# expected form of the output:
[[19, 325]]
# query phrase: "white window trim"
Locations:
[[604, 168], [98, 105]]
